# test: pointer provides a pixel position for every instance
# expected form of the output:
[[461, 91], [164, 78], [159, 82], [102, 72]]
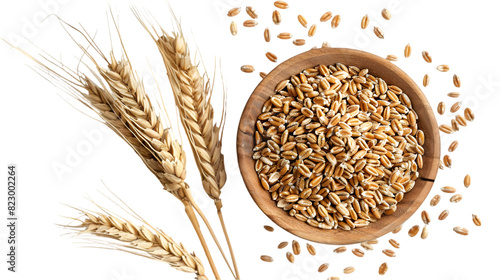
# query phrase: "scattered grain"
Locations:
[[281, 4], [364, 22], [326, 16], [461, 230], [269, 228], [262, 75], [282, 245], [398, 229], [299, 42], [233, 12], [386, 14], [392, 57], [367, 246], [425, 232], [425, 217], [285, 36], [247, 68], [276, 17], [378, 32], [267, 35], [323, 267], [426, 80], [407, 50], [453, 146], [468, 114], [349, 270], [271, 56], [233, 28], [266, 258], [441, 108], [250, 23], [312, 30], [443, 215], [390, 253], [336, 21], [448, 189], [251, 12], [394, 243], [467, 181], [302, 20], [446, 128], [454, 94], [476, 220], [358, 252], [414, 230], [455, 107], [383, 269], [447, 161], [290, 257], [435, 200], [340, 249], [311, 249], [443, 68], [456, 198], [296, 247], [427, 57], [456, 81]]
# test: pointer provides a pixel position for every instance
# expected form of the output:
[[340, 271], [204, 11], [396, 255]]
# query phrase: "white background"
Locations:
[[40, 133]]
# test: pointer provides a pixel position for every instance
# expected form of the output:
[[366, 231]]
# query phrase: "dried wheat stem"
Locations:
[[140, 240]]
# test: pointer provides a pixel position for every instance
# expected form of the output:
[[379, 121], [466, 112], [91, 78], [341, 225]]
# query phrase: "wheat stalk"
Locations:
[[140, 240], [192, 97]]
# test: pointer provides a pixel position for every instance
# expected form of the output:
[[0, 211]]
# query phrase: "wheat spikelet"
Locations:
[[140, 240], [166, 158], [192, 98]]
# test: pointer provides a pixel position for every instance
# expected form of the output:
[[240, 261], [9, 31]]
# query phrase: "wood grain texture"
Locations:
[[378, 67]]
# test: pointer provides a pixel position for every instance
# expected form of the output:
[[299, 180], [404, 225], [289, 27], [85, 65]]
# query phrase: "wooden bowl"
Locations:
[[378, 67]]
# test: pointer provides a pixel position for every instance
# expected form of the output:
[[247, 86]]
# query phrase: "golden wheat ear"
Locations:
[[112, 232], [192, 96]]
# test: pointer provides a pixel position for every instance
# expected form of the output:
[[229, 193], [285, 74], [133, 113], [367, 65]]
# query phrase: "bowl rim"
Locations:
[[287, 222]]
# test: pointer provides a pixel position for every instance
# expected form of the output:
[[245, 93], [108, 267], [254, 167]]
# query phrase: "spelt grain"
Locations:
[[388, 252], [284, 35], [446, 128], [250, 23], [323, 267], [383, 269], [336, 21], [386, 14], [364, 22], [448, 189], [407, 51], [394, 243], [468, 114], [414, 230], [461, 230], [453, 146], [326, 16], [476, 220], [234, 12], [425, 232], [251, 12], [358, 252], [272, 57], [276, 17], [266, 258], [299, 42], [302, 20], [392, 57], [398, 229], [311, 249], [290, 257], [467, 181], [269, 228], [427, 57], [443, 68], [456, 81], [281, 4], [349, 270], [247, 68], [443, 215], [295, 247], [455, 107], [312, 30], [456, 198], [282, 245], [340, 249], [425, 217], [426, 80], [435, 200], [378, 32], [447, 161], [267, 35], [454, 94]]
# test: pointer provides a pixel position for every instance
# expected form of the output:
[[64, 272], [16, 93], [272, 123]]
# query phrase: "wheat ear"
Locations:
[[193, 102], [192, 97], [140, 240]]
